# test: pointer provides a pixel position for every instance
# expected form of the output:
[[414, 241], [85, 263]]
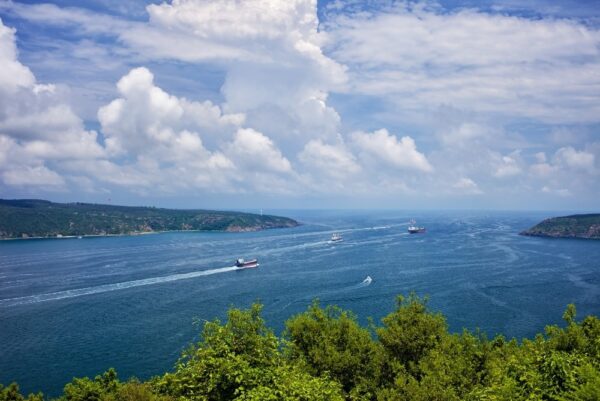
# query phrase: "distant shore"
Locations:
[[133, 234], [581, 226], [40, 219]]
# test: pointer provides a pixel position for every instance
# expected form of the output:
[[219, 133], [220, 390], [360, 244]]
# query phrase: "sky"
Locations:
[[243, 104]]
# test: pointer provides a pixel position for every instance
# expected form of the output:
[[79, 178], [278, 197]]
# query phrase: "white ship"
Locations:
[[414, 229], [335, 237]]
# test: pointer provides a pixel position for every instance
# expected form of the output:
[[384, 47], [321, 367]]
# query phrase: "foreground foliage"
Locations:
[[324, 354]]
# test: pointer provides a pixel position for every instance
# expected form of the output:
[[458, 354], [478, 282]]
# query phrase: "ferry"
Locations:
[[246, 264], [335, 237], [414, 229]]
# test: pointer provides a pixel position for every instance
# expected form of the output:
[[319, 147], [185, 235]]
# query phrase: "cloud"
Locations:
[[565, 159], [147, 119], [419, 57], [566, 173], [563, 192], [251, 151], [509, 166], [257, 31], [79, 19], [275, 71], [572, 158], [471, 86], [14, 74], [381, 146], [273, 40], [38, 176], [542, 169], [332, 168], [463, 133], [38, 130], [170, 142], [330, 160], [275, 91], [467, 186]]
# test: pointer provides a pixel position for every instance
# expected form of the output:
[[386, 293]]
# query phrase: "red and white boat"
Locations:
[[246, 264]]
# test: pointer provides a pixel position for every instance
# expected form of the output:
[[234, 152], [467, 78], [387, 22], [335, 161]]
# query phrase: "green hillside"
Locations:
[[575, 226], [25, 218]]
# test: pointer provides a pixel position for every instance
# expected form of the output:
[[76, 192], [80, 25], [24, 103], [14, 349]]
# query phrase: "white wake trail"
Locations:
[[53, 296]]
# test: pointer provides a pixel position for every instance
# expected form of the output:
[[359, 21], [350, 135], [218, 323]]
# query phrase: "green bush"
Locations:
[[326, 355]]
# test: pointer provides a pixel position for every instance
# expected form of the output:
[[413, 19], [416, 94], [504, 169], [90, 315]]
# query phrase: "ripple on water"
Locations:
[[129, 302]]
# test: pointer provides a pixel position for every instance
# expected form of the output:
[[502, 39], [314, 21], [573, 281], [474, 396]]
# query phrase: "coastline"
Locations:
[[41, 219], [133, 234], [557, 236]]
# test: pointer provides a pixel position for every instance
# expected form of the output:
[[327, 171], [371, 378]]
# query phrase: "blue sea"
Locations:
[[76, 307]]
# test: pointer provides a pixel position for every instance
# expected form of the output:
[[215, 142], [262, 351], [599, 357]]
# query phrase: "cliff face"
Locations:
[[575, 226], [37, 218]]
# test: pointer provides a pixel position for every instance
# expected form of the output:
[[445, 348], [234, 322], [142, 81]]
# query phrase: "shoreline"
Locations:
[[133, 234], [559, 236]]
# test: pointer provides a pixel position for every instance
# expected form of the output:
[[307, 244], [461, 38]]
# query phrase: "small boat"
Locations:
[[335, 237], [367, 280], [414, 229], [246, 264]]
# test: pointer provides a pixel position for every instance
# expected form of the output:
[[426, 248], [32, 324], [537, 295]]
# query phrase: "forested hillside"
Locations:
[[575, 226], [25, 218], [325, 354]]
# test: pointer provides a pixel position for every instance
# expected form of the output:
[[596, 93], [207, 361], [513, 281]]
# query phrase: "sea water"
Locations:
[[76, 307]]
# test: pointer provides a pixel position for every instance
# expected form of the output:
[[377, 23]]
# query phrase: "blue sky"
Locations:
[[292, 104]]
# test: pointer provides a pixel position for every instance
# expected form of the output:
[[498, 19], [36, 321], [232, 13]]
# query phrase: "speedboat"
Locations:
[[246, 264]]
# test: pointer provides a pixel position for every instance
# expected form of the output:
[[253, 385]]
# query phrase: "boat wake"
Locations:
[[365, 283], [323, 294], [54, 296]]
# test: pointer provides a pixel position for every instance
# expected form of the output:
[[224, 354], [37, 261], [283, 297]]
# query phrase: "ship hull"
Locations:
[[244, 267], [251, 264]]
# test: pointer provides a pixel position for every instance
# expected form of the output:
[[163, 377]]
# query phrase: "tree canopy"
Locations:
[[324, 354]]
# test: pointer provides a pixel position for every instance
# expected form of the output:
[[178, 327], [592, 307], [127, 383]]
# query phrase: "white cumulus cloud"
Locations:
[[382, 146], [14, 74], [251, 150], [147, 119], [38, 130], [329, 160]]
